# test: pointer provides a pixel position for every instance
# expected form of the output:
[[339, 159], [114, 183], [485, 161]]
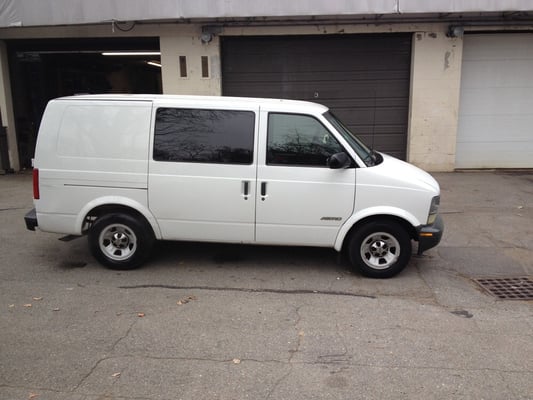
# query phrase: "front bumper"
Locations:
[[429, 235], [31, 220]]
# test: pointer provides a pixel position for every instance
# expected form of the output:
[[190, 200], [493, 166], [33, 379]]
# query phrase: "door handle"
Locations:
[[246, 189], [263, 191]]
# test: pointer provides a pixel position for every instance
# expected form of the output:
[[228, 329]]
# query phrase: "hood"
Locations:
[[407, 174]]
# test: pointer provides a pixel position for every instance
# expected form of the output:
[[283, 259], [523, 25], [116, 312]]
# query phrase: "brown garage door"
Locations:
[[364, 79]]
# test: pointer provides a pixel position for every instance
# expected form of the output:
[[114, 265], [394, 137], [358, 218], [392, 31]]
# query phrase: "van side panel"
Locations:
[[212, 200], [88, 149]]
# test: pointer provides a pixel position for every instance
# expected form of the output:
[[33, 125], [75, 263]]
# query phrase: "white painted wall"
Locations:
[[434, 103], [189, 45]]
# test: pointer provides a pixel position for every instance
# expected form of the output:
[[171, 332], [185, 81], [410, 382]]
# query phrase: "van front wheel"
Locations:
[[380, 249], [120, 241]]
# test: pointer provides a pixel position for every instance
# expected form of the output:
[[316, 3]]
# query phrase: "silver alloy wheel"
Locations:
[[118, 242], [380, 250]]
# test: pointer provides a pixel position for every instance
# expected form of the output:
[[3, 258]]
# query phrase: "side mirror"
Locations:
[[339, 161]]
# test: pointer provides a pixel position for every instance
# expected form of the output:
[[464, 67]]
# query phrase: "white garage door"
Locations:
[[496, 110]]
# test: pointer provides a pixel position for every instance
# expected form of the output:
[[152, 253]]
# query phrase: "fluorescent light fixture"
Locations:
[[131, 53], [154, 63]]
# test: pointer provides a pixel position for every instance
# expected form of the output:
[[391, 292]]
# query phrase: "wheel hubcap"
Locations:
[[118, 242], [380, 250]]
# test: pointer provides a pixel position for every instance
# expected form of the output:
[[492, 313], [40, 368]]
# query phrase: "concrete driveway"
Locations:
[[236, 322]]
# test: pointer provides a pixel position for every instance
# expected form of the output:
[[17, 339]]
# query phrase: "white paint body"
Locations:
[[97, 150]]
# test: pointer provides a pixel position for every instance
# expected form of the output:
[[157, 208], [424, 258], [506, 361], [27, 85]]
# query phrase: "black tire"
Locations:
[[379, 249], [120, 241]]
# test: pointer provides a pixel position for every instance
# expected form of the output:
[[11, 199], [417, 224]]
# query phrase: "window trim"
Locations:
[[253, 133], [353, 141]]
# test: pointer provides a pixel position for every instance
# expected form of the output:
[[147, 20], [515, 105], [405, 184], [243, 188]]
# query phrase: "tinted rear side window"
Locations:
[[204, 136]]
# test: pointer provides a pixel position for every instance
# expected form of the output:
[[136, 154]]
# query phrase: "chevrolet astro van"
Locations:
[[127, 170]]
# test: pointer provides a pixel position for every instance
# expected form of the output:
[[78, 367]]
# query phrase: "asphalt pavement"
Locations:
[[208, 321]]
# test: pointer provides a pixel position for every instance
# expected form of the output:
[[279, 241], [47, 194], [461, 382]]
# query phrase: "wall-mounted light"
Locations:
[[131, 53], [455, 31], [154, 63], [206, 37], [209, 32]]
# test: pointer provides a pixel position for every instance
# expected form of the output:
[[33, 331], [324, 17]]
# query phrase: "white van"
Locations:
[[130, 169]]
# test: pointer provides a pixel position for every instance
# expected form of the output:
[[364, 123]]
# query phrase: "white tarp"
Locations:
[[9, 15], [463, 6], [73, 12]]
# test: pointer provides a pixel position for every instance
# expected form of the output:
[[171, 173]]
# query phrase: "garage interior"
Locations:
[[45, 69]]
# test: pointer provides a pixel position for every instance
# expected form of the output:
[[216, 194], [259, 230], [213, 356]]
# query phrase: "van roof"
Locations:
[[293, 105]]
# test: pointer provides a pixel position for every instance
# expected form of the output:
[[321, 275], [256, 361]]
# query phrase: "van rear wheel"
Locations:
[[120, 241], [380, 249]]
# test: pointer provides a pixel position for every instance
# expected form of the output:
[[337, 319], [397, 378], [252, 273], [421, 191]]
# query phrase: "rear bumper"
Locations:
[[429, 235], [31, 220]]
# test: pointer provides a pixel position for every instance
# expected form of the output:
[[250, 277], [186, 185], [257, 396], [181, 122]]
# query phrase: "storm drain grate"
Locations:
[[508, 288]]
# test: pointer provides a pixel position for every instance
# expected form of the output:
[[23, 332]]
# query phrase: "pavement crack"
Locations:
[[290, 362], [433, 294], [250, 290], [34, 388], [13, 208], [336, 358], [414, 368], [128, 331], [299, 332], [86, 376], [278, 383]]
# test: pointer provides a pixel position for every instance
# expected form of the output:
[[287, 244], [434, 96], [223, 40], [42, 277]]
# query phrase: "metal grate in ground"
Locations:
[[519, 288]]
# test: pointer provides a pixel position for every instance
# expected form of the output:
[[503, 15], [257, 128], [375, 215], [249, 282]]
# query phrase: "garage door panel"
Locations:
[[500, 101], [321, 63], [364, 79], [361, 76], [510, 128], [481, 47], [495, 155], [498, 73], [339, 88], [495, 127], [372, 91]]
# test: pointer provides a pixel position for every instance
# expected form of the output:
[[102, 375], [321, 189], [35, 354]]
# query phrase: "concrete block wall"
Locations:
[[434, 100], [187, 43]]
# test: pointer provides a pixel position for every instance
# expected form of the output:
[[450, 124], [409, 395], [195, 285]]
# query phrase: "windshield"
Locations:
[[369, 156]]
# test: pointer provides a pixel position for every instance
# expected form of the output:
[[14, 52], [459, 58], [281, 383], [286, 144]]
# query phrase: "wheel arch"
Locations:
[[407, 221], [103, 206]]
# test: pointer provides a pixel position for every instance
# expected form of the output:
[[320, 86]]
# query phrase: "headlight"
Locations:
[[433, 209]]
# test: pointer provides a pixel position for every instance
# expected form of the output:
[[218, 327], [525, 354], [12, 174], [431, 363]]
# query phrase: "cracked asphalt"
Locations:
[[206, 321]]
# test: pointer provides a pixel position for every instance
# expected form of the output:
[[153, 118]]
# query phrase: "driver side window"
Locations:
[[295, 139]]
